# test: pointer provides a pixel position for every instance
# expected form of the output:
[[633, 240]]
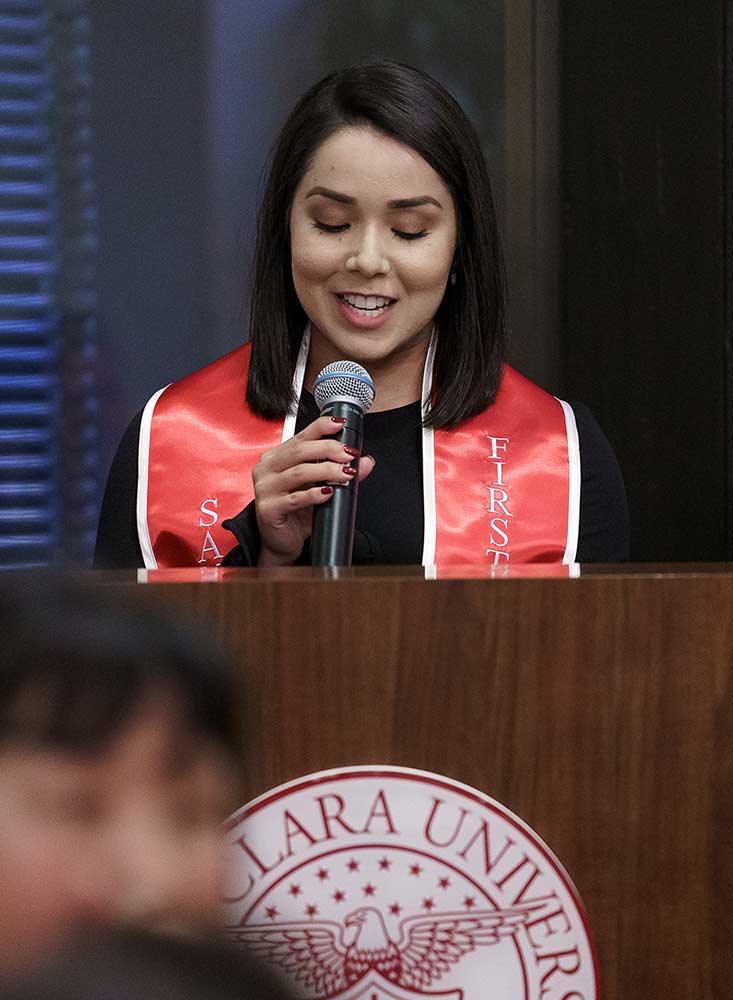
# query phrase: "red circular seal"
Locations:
[[385, 882]]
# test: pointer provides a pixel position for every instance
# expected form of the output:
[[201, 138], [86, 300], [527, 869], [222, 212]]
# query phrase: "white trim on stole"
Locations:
[[143, 464], [571, 428], [298, 376], [428, 460]]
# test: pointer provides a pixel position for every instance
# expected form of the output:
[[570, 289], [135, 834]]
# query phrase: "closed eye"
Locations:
[[410, 236], [325, 228]]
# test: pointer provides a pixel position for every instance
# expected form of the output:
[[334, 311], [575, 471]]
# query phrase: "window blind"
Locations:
[[75, 283], [47, 405]]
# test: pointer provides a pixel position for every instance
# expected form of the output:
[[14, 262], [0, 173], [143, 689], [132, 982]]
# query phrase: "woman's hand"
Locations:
[[284, 487]]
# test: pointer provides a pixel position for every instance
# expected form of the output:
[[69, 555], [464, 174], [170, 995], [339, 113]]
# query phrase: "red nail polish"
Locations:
[[327, 490], [348, 470], [351, 451], [338, 420]]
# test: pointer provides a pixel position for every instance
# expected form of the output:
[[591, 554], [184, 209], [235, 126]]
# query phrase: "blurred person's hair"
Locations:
[[137, 965], [407, 105], [76, 663]]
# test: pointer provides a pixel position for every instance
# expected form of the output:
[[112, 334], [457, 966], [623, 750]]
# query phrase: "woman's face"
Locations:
[[373, 235]]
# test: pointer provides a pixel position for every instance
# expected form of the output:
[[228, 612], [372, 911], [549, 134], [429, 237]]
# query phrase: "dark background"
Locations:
[[606, 127], [645, 141]]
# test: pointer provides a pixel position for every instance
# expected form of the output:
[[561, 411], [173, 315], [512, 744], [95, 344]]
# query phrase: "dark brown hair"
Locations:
[[75, 666]]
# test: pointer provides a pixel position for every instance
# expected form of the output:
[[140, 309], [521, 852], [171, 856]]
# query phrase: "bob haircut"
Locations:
[[409, 106], [76, 666]]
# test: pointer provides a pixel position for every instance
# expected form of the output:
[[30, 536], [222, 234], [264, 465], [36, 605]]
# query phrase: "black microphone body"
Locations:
[[342, 389], [332, 539]]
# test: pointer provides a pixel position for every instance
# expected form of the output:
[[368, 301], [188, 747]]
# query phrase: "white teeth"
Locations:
[[369, 302]]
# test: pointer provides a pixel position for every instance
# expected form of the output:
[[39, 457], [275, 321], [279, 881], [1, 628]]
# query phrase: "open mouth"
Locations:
[[366, 305]]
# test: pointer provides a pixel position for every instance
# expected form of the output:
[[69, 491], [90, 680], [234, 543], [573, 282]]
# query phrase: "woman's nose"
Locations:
[[368, 256]]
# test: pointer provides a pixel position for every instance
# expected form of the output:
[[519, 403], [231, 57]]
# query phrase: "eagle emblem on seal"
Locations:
[[329, 958]]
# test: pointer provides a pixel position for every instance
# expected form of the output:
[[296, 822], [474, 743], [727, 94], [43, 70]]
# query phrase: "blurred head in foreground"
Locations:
[[142, 966], [117, 749]]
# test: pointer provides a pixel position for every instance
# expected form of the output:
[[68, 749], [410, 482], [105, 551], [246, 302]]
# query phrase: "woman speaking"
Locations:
[[377, 243]]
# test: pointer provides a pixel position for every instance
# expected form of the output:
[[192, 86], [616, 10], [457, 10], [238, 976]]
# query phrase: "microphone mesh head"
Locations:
[[344, 380]]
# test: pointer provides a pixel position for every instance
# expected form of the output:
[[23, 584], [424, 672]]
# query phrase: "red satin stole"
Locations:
[[502, 479], [503, 489]]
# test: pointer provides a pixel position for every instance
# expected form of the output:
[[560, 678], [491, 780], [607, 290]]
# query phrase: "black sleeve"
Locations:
[[245, 529], [604, 517], [117, 542]]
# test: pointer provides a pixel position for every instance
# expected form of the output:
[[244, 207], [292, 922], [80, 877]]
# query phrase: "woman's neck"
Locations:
[[397, 378]]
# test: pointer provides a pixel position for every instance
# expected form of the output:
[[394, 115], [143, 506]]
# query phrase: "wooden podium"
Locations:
[[598, 709]]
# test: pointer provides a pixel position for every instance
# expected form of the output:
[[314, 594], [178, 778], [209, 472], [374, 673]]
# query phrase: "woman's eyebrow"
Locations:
[[397, 203], [345, 199], [423, 199]]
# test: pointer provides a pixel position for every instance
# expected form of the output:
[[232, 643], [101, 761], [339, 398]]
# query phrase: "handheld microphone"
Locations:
[[342, 389]]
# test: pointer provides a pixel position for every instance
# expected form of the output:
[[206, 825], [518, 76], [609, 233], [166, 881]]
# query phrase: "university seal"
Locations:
[[384, 883]]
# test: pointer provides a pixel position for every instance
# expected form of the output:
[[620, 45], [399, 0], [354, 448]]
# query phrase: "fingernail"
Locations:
[[350, 451], [327, 490], [348, 470], [338, 420]]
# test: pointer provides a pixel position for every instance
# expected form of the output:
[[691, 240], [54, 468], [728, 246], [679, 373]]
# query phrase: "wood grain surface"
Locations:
[[599, 710]]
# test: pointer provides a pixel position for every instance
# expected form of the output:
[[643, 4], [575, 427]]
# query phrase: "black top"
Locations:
[[389, 516]]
